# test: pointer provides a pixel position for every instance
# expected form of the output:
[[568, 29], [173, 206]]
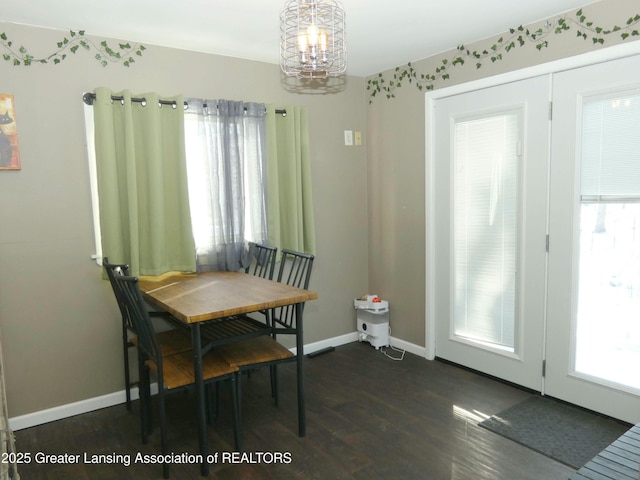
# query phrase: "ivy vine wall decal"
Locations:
[[104, 53], [520, 36]]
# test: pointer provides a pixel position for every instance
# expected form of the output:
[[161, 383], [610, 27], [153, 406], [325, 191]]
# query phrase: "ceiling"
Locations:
[[381, 34]]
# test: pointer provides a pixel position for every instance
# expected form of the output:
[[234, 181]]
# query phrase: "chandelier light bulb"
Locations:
[[322, 40], [302, 43], [312, 34]]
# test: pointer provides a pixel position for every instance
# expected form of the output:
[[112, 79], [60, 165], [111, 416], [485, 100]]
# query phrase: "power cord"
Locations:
[[384, 351]]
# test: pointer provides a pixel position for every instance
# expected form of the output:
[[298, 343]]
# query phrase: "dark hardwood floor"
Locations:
[[368, 418]]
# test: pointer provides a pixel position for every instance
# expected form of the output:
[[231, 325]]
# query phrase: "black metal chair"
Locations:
[[250, 354], [171, 371], [171, 341], [263, 260], [263, 263], [295, 270]]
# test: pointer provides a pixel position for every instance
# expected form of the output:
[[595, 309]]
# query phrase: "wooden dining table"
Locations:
[[210, 299]]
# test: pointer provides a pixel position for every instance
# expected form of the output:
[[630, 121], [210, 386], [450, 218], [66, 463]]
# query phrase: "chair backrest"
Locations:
[[114, 270], [295, 270], [263, 260], [136, 307]]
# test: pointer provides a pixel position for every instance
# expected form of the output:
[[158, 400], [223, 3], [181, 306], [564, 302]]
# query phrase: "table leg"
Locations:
[[300, 371], [199, 386]]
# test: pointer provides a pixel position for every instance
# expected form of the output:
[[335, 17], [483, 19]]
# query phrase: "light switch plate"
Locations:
[[348, 137]]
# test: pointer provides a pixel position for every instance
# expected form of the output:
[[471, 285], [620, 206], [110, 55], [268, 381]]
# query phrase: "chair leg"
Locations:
[[127, 374], [212, 402], [145, 403], [273, 369], [216, 410], [237, 390], [163, 428], [235, 406], [272, 381], [274, 384], [207, 404]]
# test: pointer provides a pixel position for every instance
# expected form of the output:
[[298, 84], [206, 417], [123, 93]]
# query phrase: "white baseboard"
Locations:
[[329, 342], [409, 347], [353, 337], [73, 409], [117, 398], [68, 410]]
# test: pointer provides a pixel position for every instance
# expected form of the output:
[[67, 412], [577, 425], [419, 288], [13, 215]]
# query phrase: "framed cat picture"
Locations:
[[9, 150]]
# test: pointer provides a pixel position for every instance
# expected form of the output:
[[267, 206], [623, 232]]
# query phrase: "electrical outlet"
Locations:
[[348, 137]]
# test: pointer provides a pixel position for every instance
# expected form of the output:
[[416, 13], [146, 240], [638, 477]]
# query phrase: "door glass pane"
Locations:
[[608, 313], [485, 211], [610, 163]]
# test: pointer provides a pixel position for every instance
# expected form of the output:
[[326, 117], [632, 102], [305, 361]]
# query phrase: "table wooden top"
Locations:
[[207, 296]]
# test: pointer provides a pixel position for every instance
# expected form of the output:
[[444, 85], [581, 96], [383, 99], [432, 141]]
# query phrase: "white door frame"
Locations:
[[598, 56]]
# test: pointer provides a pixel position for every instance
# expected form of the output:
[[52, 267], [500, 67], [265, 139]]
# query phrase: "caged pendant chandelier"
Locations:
[[312, 39]]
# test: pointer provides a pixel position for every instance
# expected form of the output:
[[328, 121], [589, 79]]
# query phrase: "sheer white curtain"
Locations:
[[226, 151]]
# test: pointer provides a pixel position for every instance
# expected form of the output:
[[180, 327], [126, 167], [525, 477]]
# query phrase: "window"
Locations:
[[225, 154], [485, 215], [608, 336], [220, 192], [225, 151]]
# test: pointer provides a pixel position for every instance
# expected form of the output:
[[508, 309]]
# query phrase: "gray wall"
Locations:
[[60, 327]]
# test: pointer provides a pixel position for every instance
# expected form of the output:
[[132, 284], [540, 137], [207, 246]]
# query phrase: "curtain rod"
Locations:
[[89, 97]]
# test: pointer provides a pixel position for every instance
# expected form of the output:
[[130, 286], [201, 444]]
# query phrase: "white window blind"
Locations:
[[485, 212], [611, 148]]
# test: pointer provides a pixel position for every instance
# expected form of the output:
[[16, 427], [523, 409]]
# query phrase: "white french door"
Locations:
[[593, 333], [534, 243], [490, 177]]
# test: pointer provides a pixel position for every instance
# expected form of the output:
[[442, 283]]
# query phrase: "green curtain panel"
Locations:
[[142, 183], [289, 199]]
